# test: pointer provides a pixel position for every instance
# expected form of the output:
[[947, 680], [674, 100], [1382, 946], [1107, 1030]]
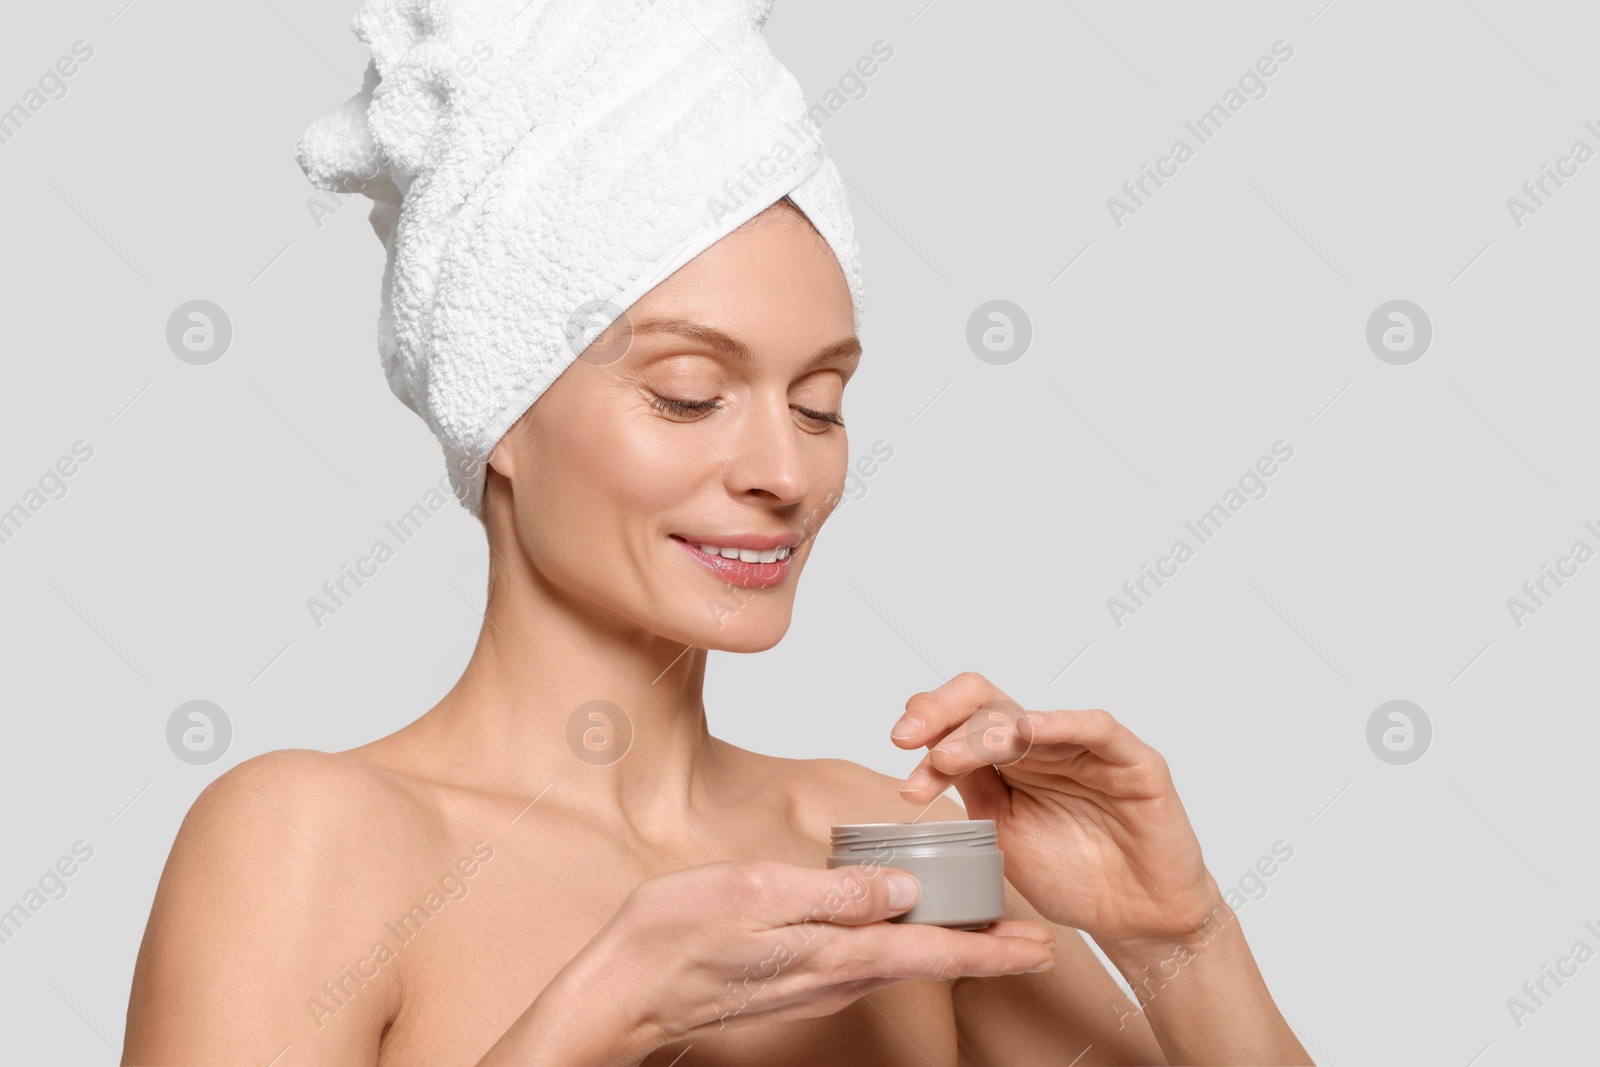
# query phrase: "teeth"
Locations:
[[747, 555]]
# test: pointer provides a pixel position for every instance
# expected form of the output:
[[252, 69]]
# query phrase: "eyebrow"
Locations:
[[839, 352]]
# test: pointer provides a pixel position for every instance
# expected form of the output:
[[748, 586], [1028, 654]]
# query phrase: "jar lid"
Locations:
[[874, 836]]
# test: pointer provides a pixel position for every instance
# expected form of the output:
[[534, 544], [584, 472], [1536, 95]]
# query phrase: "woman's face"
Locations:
[[708, 415]]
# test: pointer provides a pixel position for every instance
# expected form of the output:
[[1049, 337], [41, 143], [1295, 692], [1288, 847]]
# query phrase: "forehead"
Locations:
[[773, 285]]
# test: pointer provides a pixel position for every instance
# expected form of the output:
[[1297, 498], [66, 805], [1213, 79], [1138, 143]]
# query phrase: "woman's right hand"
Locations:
[[720, 946]]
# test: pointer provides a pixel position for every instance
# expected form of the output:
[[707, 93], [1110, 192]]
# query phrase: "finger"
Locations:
[[991, 737], [1094, 728], [1049, 735], [983, 793], [1020, 928], [997, 734], [931, 715], [915, 950], [850, 896]]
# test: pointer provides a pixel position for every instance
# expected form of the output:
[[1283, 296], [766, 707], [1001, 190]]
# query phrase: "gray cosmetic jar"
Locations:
[[958, 862]]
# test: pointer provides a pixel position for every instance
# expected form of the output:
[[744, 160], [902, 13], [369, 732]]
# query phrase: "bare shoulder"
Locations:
[[332, 792], [319, 819], [275, 876]]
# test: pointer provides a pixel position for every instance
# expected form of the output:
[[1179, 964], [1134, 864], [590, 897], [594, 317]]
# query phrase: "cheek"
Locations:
[[648, 463], [833, 482], [836, 470], [606, 479]]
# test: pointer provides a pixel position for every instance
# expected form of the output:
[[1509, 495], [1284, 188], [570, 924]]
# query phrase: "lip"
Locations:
[[737, 571], [755, 542]]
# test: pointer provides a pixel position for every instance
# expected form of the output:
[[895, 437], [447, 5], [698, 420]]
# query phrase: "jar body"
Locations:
[[961, 869]]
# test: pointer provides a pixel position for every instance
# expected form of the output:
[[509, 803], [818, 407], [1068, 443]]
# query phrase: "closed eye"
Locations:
[[682, 407], [694, 407], [823, 416]]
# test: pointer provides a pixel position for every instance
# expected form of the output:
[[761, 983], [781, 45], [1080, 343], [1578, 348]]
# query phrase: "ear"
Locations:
[[500, 456]]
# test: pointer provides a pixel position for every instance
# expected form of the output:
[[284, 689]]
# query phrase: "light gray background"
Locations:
[[1228, 313]]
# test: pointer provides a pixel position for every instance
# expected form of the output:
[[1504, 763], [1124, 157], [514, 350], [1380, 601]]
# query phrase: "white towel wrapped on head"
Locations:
[[536, 166]]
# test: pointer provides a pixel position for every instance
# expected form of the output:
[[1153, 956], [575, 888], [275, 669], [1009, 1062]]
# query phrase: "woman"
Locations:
[[612, 903], [558, 864]]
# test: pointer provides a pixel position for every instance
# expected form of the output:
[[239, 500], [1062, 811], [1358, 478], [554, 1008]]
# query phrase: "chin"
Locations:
[[754, 643], [752, 628]]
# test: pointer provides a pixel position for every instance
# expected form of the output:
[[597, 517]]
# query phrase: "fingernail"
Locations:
[[917, 781], [905, 729], [1045, 966], [903, 891]]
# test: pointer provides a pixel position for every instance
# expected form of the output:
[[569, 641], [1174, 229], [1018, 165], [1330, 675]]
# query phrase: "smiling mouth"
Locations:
[[743, 555], [769, 567]]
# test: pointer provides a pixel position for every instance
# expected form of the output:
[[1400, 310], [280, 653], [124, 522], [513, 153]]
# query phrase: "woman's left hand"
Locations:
[[1093, 833]]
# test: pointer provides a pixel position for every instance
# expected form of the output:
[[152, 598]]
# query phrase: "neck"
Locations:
[[556, 690]]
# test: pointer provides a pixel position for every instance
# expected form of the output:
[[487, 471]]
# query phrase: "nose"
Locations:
[[769, 455]]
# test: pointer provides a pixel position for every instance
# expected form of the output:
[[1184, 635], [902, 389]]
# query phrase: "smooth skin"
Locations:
[[480, 888]]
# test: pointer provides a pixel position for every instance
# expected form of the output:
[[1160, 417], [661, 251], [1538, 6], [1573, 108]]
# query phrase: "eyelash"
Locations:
[[691, 407]]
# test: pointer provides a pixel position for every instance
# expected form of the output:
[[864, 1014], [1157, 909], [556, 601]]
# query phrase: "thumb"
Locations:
[[984, 793], [861, 894]]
